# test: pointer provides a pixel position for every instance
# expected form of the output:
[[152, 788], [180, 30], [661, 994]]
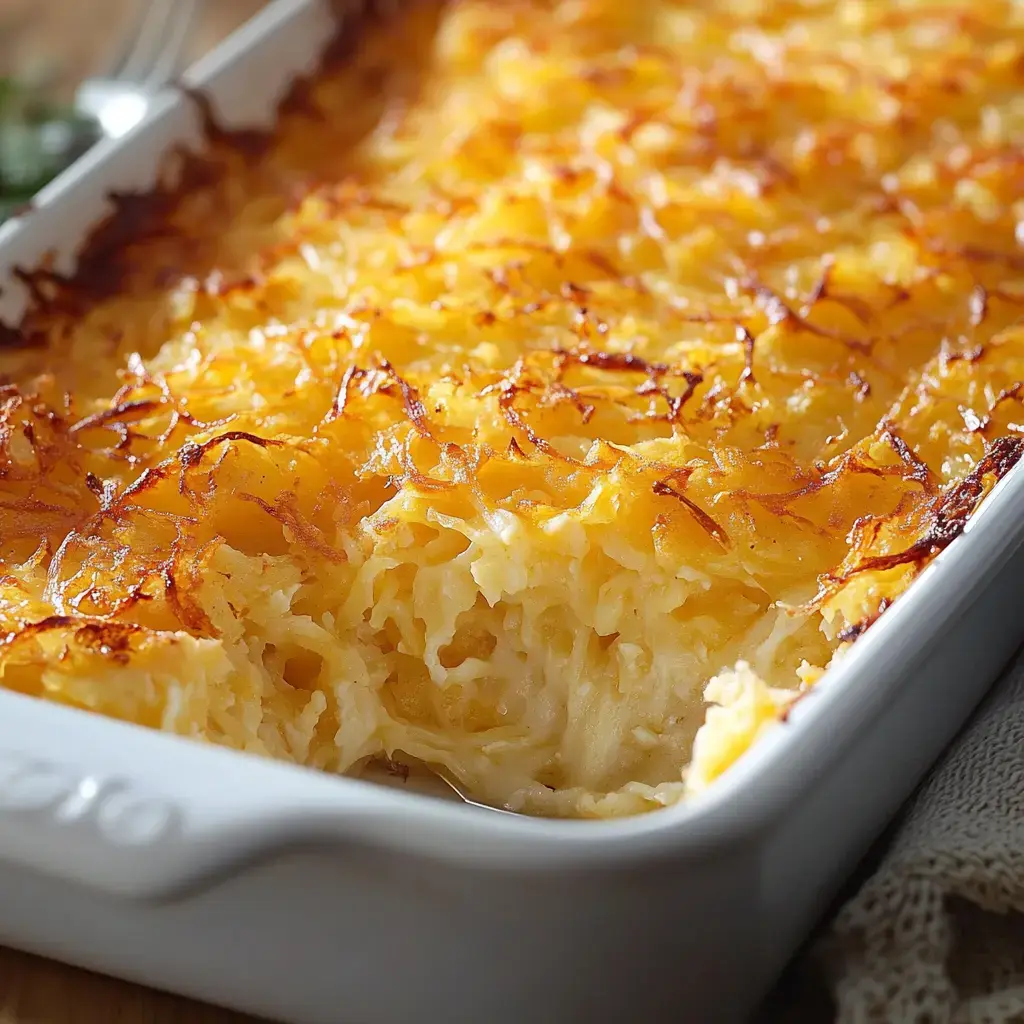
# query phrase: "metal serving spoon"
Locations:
[[118, 100], [430, 780]]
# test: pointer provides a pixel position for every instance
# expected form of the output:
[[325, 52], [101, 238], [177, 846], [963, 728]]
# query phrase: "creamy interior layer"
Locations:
[[562, 369]]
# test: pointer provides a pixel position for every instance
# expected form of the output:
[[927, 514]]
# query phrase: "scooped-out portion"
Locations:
[[553, 396]]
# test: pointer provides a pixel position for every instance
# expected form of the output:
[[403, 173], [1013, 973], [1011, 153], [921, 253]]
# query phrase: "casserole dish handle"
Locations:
[[139, 813]]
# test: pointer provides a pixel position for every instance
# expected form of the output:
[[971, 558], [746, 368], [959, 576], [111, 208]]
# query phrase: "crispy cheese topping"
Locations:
[[552, 362]]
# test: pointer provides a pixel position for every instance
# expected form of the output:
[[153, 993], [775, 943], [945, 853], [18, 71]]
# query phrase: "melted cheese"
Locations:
[[559, 370]]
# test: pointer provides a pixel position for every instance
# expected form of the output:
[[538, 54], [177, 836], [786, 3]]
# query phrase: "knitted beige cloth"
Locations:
[[936, 935]]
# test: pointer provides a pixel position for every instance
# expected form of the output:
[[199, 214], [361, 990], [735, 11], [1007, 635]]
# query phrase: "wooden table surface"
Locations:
[[61, 34], [35, 991]]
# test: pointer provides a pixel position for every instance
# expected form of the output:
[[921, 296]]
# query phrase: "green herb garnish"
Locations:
[[38, 139]]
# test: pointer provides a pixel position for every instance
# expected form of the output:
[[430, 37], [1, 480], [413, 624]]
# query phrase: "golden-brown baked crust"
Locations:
[[551, 359]]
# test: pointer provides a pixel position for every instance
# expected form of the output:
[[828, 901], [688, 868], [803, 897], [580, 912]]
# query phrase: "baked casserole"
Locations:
[[551, 398]]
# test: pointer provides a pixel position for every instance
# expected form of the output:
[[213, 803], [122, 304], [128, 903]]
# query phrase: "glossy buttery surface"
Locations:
[[557, 369]]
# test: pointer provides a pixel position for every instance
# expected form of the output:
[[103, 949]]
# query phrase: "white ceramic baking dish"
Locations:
[[322, 900]]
